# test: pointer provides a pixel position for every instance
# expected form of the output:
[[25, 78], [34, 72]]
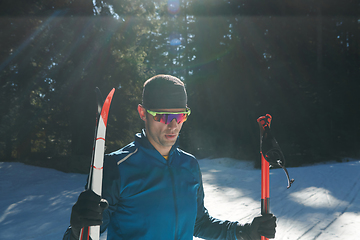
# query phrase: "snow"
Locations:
[[323, 203]]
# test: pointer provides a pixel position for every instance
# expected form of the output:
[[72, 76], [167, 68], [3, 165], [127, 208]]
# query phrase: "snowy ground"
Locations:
[[323, 203]]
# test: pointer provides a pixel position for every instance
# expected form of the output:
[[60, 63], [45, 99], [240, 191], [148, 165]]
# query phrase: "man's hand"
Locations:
[[263, 226], [88, 210]]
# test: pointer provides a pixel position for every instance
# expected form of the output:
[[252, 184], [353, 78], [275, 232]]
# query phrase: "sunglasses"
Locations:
[[167, 117]]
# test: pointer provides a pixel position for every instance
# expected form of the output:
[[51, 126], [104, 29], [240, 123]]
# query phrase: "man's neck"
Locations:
[[164, 151]]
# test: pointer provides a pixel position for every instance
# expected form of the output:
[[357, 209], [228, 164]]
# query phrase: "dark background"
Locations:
[[296, 60]]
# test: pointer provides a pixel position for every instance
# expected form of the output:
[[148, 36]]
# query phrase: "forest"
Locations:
[[239, 59]]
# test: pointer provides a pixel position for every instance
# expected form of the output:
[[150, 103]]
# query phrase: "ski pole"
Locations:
[[271, 154], [263, 122]]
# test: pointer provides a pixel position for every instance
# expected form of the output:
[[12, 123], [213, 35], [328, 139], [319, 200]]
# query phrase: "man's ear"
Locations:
[[142, 112]]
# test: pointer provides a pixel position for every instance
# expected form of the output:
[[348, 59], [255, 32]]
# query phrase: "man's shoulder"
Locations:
[[188, 157], [122, 153], [185, 154], [113, 160]]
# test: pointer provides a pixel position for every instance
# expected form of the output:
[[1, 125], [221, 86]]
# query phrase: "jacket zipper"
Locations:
[[175, 202]]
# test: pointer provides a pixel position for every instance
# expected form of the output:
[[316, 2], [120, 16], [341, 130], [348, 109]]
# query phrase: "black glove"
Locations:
[[261, 226], [87, 211]]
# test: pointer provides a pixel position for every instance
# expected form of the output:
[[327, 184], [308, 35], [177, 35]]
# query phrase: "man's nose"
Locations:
[[173, 124]]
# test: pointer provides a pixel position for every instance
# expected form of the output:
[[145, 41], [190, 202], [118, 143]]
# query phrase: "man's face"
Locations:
[[161, 136]]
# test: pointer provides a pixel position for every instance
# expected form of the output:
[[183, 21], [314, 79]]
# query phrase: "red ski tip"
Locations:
[[106, 106]]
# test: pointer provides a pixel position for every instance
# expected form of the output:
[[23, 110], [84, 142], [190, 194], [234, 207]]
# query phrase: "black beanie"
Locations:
[[164, 91]]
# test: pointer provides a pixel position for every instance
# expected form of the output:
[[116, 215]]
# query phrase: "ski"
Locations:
[[96, 166], [271, 155]]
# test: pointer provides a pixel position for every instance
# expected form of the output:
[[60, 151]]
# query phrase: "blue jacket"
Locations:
[[153, 198]]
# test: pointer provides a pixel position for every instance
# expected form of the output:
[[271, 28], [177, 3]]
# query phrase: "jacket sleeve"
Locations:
[[210, 228]]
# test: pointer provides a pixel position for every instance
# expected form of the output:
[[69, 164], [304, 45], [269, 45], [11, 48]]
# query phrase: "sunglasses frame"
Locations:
[[153, 113]]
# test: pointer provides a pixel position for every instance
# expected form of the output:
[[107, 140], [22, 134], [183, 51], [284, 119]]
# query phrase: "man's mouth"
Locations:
[[170, 136]]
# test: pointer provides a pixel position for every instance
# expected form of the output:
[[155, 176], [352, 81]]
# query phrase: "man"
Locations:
[[154, 190]]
